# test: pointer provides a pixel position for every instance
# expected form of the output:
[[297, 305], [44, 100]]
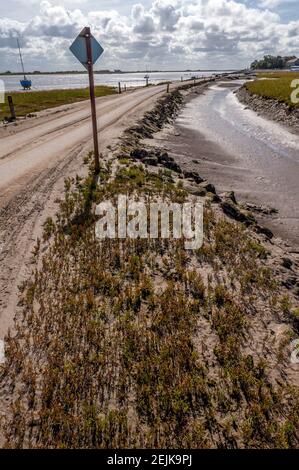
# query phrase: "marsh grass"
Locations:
[[34, 101], [278, 86]]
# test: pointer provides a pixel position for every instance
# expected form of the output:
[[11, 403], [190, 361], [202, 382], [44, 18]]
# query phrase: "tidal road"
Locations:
[[35, 158]]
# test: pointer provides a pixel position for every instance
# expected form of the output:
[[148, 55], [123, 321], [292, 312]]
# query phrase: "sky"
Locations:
[[153, 34]]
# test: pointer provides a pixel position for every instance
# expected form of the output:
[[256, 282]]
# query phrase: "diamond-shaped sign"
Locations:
[[78, 48]]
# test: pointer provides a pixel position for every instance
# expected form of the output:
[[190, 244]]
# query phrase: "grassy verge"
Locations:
[[290, 75], [34, 101], [278, 86]]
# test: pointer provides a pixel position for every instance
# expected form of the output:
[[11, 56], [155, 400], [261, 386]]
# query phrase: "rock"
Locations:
[[270, 108], [214, 198], [261, 209], [173, 166], [195, 161], [194, 176], [142, 131], [287, 263], [210, 188], [290, 282], [139, 153], [195, 190], [230, 195], [164, 157], [264, 231], [9, 119], [151, 160], [233, 211]]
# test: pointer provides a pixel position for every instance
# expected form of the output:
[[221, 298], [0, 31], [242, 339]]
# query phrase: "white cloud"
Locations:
[[275, 3], [270, 3], [169, 33]]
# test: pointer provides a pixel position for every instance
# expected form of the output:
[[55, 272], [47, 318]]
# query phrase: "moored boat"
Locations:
[[25, 83]]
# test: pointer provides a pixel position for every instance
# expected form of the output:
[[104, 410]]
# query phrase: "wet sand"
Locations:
[[243, 157]]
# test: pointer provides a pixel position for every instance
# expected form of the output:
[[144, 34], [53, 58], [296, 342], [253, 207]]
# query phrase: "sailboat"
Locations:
[[26, 84]]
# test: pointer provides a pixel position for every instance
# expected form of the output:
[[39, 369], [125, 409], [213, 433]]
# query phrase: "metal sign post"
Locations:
[[87, 50], [92, 100]]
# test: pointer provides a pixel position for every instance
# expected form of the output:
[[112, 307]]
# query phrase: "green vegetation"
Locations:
[[34, 101], [278, 86], [131, 344], [289, 75], [271, 62]]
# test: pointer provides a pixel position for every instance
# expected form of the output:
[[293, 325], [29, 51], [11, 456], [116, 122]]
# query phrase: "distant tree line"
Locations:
[[271, 62]]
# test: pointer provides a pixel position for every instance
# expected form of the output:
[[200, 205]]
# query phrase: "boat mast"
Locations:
[[21, 59]]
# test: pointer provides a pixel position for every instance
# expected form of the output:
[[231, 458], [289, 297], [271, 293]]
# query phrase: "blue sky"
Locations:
[[166, 34], [288, 10]]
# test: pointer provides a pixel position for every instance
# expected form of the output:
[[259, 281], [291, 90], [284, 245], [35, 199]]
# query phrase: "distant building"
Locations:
[[292, 63]]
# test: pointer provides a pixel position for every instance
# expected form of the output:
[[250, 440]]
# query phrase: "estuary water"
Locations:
[[66, 81], [239, 150]]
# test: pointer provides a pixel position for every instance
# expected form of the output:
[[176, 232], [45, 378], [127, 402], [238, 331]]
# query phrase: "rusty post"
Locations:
[[92, 99], [12, 108]]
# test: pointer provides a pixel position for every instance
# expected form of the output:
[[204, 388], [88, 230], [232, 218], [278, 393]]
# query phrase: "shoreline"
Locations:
[[271, 109], [191, 149], [157, 147], [107, 72]]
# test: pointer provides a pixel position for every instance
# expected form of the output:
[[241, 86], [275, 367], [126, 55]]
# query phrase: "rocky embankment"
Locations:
[[270, 108], [135, 146]]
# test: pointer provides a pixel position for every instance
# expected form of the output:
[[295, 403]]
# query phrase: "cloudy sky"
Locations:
[[160, 34]]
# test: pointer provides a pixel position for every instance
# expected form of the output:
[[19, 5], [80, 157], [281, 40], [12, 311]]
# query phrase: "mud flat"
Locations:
[[237, 150]]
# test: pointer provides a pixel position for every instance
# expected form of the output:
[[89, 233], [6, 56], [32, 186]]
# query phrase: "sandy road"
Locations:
[[35, 157]]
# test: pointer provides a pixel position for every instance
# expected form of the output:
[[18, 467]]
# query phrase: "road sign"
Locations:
[[79, 49], [87, 50]]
